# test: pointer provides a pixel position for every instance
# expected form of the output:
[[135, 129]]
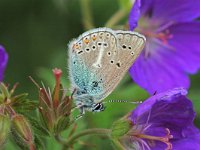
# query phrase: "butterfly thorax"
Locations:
[[86, 102]]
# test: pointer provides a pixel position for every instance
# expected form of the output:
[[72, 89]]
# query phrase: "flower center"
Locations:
[[165, 139], [152, 29], [162, 36]]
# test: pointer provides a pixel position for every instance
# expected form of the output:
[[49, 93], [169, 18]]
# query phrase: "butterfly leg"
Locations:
[[73, 92], [82, 113]]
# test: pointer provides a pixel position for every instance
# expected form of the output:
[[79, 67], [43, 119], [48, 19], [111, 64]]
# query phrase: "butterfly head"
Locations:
[[98, 107]]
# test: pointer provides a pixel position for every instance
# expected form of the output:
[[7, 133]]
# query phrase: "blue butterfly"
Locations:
[[98, 60]]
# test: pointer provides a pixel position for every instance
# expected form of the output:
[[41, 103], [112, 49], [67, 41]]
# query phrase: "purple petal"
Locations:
[[186, 37], [191, 143], [134, 15], [175, 10], [146, 6], [3, 61], [170, 110], [169, 99], [157, 72]]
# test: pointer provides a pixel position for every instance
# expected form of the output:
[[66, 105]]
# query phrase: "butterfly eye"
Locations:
[[111, 61], [130, 47]]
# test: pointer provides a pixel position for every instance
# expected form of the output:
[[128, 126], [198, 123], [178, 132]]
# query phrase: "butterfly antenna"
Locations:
[[73, 93], [123, 101]]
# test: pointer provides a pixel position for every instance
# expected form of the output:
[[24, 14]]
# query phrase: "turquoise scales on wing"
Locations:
[[87, 81]]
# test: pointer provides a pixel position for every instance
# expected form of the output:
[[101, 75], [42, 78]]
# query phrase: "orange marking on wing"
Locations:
[[86, 41], [94, 38], [75, 46]]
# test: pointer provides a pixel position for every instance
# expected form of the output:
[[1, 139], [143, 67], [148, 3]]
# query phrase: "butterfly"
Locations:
[[98, 60]]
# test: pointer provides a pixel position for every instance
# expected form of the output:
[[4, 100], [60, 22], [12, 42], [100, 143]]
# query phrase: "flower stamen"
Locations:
[[164, 139], [164, 36]]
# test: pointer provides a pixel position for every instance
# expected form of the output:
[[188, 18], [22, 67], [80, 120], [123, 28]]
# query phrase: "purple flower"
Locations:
[[164, 121], [3, 61], [172, 49]]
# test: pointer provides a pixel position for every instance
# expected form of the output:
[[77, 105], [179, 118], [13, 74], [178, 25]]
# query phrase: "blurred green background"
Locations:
[[35, 34]]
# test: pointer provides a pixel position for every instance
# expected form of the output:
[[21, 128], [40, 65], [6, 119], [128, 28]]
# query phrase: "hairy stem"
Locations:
[[69, 142], [117, 144]]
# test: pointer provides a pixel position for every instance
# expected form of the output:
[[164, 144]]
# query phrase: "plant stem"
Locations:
[[86, 12], [117, 144], [119, 15], [72, 139]]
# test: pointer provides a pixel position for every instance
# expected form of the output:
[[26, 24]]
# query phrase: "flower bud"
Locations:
[[22, 129], [55, 107], [120, 128], [4, 128]]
